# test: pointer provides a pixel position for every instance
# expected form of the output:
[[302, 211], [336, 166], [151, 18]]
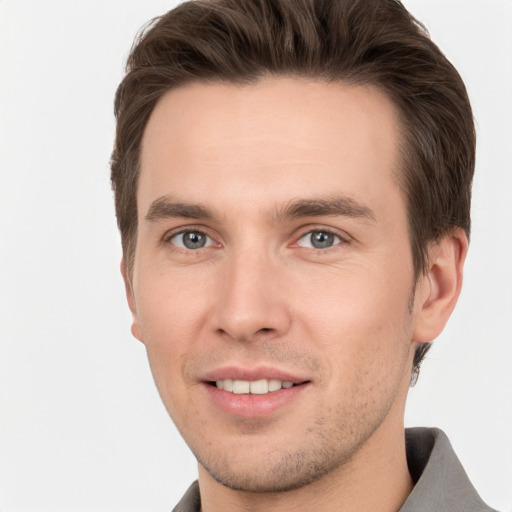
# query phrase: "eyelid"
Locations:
[[307, 230], [171, 233]]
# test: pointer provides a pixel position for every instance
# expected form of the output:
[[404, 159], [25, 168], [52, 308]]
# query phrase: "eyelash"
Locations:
[[342, 240], [173, 234]]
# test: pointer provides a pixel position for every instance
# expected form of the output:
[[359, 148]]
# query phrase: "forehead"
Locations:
[[273, 140]]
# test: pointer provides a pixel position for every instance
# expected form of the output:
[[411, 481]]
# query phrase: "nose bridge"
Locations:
[[250, 302]]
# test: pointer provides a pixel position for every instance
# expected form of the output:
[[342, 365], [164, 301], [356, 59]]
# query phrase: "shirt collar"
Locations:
[[441, 484]]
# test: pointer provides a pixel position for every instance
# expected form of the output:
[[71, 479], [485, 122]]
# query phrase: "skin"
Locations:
[[346, 319]]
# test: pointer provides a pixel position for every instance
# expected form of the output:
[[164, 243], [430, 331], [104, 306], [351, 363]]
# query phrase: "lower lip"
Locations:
[[254, 406]]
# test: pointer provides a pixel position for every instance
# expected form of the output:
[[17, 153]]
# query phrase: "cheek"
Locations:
[[356, 300], [359, 320], [169, 304], [170, 314]]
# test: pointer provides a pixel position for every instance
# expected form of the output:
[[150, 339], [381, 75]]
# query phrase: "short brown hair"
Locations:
[[367, 42]]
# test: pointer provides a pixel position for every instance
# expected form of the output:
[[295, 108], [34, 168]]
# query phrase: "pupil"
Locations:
[[321, 240], [194, 240]]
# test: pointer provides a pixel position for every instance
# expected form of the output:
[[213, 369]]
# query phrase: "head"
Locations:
[[214, 53], [367, 43]]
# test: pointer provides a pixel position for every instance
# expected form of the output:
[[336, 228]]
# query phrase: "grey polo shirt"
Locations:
[[441, 484]]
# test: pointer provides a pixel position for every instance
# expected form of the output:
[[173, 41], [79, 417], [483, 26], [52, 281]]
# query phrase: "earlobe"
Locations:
[[136, 330], [439, 288]]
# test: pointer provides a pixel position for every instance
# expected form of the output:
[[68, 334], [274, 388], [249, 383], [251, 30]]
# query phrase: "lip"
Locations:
[[252, 374], [248, 405], [254, 406]]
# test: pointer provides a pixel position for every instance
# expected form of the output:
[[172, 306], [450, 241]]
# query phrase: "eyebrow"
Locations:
[[333, 206], [164, 208]]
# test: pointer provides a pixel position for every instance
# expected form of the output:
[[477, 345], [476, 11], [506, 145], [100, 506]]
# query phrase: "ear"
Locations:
[[439, 288], [136, 329]]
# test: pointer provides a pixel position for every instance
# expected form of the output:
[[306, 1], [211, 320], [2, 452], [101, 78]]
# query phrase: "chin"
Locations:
[[274, 472]]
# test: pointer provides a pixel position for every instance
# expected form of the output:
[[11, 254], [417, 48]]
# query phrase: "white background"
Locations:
[[81, 425]]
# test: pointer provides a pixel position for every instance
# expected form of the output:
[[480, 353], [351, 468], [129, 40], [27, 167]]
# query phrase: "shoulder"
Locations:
[[441, 483], [191, 501]]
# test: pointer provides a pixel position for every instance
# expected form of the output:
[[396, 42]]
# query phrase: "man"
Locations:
[[292, 187]]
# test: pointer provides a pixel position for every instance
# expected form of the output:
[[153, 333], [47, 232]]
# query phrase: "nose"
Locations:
[[252, 300]]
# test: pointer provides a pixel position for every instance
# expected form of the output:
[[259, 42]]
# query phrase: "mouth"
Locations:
[[254, 393], [253, 387]]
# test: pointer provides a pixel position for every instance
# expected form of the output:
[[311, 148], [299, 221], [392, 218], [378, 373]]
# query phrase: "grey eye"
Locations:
[[191, 240], [319, 240]]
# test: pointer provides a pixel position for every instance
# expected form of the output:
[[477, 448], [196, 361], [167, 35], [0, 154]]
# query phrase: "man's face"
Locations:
[[273, 250]]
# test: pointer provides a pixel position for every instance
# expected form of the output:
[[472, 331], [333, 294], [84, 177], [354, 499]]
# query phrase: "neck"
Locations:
[[376, 478]]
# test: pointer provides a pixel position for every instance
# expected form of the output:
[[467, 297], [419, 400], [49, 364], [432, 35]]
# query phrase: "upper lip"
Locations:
[[252, 374]]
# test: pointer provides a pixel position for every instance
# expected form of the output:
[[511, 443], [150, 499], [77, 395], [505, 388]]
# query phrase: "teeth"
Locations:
[[274, 385], [241, 387], [259, 387], [256, 387]]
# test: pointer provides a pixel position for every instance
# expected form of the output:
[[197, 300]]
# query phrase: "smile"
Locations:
[[252, 394], [255, 387]]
